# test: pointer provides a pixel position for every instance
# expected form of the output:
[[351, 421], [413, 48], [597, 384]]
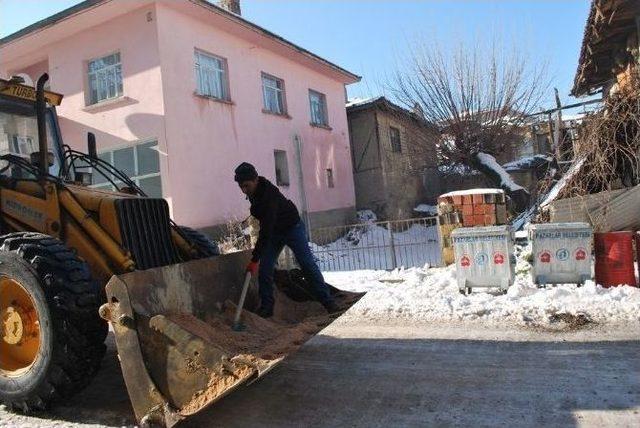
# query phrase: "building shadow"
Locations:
[[356, 382], [104, 402], [334, 382]]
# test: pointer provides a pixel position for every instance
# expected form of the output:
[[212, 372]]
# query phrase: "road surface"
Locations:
[[360, 374]]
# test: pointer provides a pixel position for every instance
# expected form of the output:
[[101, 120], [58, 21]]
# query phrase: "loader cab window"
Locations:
[[19, 136], [140, 162]]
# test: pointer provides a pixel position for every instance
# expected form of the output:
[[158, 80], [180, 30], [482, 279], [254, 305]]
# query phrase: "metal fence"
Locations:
[[378, 245]]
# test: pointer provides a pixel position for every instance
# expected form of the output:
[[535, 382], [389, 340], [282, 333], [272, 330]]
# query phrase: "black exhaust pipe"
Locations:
[[41, 112]]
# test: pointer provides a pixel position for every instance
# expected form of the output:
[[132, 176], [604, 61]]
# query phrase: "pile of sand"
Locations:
[[261, 344], [261, 338], [262, 341]]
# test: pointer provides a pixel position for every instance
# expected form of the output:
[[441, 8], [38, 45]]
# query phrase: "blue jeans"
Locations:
[[296, 239]]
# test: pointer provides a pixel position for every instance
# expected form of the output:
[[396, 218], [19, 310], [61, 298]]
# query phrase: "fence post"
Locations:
[[394, 262]]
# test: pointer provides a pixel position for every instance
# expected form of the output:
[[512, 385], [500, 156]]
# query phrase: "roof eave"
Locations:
[[51, 20], [349, 77]]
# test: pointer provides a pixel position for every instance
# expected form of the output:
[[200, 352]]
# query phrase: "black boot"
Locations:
[[265, 312]]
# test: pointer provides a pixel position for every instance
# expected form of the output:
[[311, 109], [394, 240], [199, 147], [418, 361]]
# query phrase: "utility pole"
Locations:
[[557, 132]]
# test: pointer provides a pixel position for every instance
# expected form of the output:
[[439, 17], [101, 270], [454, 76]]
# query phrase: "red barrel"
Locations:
[[614, 259]]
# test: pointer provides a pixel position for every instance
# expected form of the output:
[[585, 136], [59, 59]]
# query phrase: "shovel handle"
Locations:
[[243, 295]]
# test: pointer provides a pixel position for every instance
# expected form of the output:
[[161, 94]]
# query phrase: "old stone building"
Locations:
[[393, 152], [610, 48]]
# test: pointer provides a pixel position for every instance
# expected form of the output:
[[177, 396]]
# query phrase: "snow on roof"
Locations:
[[571, 117], [555, 190], [457, 168], [478, 191], [490, 162], [426, 208], [355, 102], [526, 162]]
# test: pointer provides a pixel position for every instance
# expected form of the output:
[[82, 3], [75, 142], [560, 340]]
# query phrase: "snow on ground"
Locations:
[[369, 247], [431, 294]]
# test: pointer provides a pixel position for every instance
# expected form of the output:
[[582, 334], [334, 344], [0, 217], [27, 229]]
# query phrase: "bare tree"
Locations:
[[478, 97]]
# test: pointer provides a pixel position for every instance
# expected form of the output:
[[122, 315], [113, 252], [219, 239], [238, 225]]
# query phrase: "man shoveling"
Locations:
[[280, 225]]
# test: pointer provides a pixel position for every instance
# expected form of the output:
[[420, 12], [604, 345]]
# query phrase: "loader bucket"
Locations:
[[173, 331]]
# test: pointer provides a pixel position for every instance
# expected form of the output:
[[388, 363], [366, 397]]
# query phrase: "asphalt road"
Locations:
[[364, 375]]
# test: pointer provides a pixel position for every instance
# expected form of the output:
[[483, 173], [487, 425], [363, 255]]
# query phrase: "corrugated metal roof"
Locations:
[[605, 211]]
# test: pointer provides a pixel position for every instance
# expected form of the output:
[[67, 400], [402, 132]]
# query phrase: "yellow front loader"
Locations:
[[73, 256]]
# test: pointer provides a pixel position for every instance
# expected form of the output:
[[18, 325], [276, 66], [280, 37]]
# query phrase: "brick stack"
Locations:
[[468, 208]]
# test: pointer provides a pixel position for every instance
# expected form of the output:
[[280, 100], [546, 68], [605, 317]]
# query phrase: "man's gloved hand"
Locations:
[[253, 268]]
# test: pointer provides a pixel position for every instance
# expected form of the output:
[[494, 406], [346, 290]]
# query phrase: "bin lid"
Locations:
[[481, 231], [559, 226]]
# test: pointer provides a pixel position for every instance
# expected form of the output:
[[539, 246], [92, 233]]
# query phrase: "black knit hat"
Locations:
[[245, 172]]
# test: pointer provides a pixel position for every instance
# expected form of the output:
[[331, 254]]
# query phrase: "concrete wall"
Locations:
[[207, 138], [366, 158], [137, 116], [404, 171], [200, 140]]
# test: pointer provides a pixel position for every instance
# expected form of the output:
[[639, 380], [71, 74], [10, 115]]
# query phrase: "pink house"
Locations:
[[178, 92]]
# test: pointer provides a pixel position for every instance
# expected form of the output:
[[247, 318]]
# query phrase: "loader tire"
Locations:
[[69, 332], [205, 245]]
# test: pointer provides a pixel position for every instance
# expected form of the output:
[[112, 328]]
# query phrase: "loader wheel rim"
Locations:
[[19, 328]]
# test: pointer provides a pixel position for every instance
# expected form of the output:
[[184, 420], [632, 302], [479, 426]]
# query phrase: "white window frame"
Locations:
[[115, 68], [281, 181], [280, 93], [323, 104], [135, 178], [221, 73]]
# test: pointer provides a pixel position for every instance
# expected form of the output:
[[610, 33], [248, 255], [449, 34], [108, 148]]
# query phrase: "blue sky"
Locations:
[[368, 37]]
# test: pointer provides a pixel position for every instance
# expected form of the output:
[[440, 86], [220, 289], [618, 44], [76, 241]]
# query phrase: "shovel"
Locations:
[[237, 324]]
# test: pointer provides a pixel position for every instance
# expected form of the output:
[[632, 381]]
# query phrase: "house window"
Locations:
[[212, 76], [140, 162], [273, 94], [282, 167], [330, 182], [318, 105], [394, 136], [105, 78]]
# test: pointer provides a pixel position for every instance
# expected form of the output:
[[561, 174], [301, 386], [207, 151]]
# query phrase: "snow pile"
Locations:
[[367, 216], [430, 210], [491, 163], [422, 294]]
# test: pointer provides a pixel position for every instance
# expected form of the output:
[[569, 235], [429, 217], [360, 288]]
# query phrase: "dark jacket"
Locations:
[[275, 213]]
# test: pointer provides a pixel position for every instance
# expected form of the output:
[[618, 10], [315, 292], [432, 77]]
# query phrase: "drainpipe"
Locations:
[[303, 196]]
